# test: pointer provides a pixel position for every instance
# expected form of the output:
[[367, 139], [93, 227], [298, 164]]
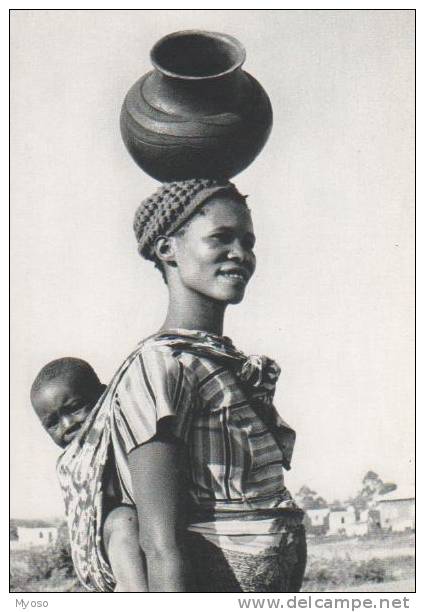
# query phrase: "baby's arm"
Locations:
[[121, 538]]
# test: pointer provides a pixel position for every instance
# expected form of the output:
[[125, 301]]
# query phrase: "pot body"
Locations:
[[184, 127]]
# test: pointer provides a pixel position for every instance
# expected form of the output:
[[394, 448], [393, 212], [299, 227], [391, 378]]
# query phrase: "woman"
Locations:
[[198, 445]]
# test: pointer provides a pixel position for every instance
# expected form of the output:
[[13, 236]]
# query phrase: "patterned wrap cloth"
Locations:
[[82, 467]]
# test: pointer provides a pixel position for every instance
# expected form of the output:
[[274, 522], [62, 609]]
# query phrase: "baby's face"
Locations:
[[62, 407]]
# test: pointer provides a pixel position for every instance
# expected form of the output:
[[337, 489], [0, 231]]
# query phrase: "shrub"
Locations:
[[42, 564], [373, 570], [331, 572], [338, 572]]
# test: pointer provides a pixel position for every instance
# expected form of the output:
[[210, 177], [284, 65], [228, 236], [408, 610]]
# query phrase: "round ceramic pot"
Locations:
[[197, 114]]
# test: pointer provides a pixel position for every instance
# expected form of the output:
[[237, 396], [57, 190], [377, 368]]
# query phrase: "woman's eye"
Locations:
[[223, 238]]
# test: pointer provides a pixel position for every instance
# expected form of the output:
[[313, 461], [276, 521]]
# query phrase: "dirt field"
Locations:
[[360, 549], [378, 564], [392, 586], [373, 564]]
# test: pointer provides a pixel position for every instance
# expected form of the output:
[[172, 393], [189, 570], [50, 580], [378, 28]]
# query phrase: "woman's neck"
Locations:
[[194, 311]]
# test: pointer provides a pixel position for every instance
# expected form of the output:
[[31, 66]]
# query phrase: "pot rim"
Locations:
[[231, 40]]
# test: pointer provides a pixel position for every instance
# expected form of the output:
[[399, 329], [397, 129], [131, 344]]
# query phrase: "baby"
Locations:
[[62, 395]]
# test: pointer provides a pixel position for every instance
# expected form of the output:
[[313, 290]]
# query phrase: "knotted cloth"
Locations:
[[81, 468]]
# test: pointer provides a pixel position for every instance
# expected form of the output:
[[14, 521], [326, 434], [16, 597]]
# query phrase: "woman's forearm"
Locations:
[[166, 571], [155, 473]]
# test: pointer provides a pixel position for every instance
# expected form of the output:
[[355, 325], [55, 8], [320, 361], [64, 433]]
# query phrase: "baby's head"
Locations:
[[63, 394]]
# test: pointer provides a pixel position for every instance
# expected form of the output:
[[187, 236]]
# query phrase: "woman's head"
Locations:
[[200, 234]]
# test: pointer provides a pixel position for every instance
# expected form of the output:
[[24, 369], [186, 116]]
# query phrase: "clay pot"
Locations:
[[198, 114]]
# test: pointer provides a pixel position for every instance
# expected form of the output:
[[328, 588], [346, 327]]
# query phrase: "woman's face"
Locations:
[[214, 253]]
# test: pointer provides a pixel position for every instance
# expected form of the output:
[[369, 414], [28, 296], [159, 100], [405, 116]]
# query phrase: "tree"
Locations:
[[309, 499], [372, 486]]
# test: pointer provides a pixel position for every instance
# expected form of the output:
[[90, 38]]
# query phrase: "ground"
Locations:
[[366, 564], [361, 564]]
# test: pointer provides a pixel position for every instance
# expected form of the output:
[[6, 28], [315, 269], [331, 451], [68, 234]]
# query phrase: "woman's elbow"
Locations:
[[157, 545]]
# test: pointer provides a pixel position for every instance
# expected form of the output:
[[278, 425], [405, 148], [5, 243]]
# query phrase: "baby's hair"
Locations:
[[63, 367]]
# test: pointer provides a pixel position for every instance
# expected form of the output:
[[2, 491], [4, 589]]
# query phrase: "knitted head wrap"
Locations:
[[163, 213]]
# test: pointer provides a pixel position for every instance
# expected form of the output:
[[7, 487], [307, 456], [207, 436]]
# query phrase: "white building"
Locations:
[[318, 516], [348, 522], [36, 536], [397, 510]]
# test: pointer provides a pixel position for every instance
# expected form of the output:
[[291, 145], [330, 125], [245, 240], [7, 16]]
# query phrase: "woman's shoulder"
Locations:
[[151, 385], [198, 353], [157, 346], [156, 357]]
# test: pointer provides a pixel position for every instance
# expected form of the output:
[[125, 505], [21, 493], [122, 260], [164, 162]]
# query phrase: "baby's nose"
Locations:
[[66, 421]]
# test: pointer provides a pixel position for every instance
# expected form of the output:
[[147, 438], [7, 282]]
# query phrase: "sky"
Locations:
[[332, 198]]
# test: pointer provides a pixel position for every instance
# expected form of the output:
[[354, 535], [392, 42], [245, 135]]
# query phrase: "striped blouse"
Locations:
[[235, 461]]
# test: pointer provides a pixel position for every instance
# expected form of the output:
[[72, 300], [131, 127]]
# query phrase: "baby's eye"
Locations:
[[85, 408], [74, 408], [249, 243]]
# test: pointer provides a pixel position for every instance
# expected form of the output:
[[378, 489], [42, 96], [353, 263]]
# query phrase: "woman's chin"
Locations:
[[235, 297], [230, 295]]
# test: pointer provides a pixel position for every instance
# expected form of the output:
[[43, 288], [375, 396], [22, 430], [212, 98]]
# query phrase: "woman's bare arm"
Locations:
[[158, 494]]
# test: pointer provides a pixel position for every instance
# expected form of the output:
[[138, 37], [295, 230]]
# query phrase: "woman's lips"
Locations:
[[235, 275]]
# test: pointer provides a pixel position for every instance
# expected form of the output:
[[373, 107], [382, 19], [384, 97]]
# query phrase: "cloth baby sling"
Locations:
[[81, 468]]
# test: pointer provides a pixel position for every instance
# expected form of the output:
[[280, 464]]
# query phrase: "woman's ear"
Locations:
[[165, 249]]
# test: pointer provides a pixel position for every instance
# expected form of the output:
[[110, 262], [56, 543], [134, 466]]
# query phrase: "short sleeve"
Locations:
[[284, 435], [155, 386]]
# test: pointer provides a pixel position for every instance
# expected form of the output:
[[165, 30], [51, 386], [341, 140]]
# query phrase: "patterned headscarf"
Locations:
[[163, 213]]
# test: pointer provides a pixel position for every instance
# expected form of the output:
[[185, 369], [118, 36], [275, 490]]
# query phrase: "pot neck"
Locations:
[[202, 96]]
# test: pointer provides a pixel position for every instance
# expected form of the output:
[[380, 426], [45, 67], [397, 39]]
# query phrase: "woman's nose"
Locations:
[[236, 251]]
